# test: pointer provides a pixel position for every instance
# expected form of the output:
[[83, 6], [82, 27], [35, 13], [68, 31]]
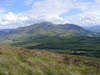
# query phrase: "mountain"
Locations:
[[2, 33], [46, 29], [6, 30], [94, 28], [46, 35], [19, 61]]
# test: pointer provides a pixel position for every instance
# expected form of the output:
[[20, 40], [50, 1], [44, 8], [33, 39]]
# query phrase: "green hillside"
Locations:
[[18, 61], [45, 29], [86, 46], [60, 38]]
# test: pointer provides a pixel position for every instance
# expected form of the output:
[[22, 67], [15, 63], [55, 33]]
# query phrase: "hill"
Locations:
[[86, 46], [45, 29], [60, 38], [6, 30], [94, 28], [19, 61], [2, 33]]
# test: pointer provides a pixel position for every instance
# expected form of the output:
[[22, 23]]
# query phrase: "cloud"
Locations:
[[47, 10], [12, 19], [2, 10], [97, 1], [7, 2], [28, 2], [51, 10], [90, 16]]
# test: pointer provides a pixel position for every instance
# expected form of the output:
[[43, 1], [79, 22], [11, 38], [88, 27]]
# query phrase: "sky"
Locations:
[[20, 13]]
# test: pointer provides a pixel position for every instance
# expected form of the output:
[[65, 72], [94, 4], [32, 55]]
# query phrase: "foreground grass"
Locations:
[[18, 61]]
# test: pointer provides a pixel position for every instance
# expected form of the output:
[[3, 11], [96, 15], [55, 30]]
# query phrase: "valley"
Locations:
[[49, 37], [62, 38]]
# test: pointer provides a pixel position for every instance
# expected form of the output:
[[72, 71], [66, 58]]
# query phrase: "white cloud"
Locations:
[[47, 10], [97, 1], [85, 19], [10, 17], [2, 10], [50, 10], [90, 16], [7, 2], [28, 2]]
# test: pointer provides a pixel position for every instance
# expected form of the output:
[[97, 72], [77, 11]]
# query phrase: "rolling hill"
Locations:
[[6, 30], [19, 61], [45, 29], [85, 46], [94, 28], [46, 35]]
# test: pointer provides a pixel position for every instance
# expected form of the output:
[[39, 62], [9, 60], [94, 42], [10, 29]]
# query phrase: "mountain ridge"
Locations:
[[47, 28], [47, 35], [95, 28]]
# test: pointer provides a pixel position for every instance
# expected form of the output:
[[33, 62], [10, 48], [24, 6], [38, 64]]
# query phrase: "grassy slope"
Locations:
[[18, 61]]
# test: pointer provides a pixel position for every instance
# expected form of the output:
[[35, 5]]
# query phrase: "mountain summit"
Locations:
[[46, 29], [50, 29]]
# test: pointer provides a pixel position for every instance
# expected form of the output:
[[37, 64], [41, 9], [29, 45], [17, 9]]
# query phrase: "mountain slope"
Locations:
[[18, 61], [47, 29], [85, 46], [6, 30], [94, 28], [2, 33]]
